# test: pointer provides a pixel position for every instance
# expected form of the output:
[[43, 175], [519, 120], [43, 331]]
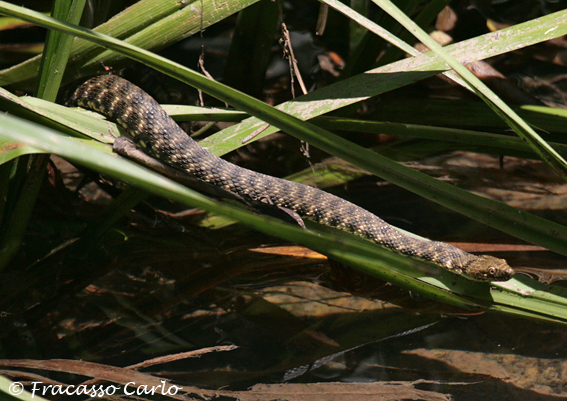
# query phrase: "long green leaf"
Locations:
[[477, 138], [150, 24], [57, 49], [28, 181], [546, 152], [396, 75]]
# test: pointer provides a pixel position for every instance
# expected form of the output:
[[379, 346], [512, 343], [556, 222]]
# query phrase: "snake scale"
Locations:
[[147, 124]]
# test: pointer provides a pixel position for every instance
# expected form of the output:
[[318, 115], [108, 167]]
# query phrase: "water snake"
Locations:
[[147, 124]]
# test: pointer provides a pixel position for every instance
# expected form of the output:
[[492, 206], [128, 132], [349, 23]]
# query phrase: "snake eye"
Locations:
[[492, 271]]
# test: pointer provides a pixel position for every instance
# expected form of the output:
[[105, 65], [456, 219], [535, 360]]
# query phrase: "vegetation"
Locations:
[[34, 127]]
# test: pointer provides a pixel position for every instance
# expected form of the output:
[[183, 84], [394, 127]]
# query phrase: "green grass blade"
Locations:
[[131, 20], [397, 75], [524, 131], [29, 180], [484, 140], [150, 24], [370, 25], [57, 49], [471, 114]]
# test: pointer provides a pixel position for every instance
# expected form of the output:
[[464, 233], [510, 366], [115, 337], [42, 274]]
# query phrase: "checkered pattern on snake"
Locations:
[[150, 127]]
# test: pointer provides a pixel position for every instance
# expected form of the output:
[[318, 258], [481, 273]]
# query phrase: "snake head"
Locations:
[[489, 268]]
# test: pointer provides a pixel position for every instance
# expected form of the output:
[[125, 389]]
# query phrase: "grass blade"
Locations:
[[524, 131]]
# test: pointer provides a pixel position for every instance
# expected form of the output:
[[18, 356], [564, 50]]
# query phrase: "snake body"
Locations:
[[149, 126]]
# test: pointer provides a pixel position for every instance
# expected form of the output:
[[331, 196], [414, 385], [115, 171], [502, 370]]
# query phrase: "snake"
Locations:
[[147, 124]]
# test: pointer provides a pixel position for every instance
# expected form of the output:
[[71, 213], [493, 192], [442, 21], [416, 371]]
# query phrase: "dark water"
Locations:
[[289, 317]]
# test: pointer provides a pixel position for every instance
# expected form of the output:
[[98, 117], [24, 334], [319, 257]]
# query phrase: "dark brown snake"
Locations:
[[147, 124]]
